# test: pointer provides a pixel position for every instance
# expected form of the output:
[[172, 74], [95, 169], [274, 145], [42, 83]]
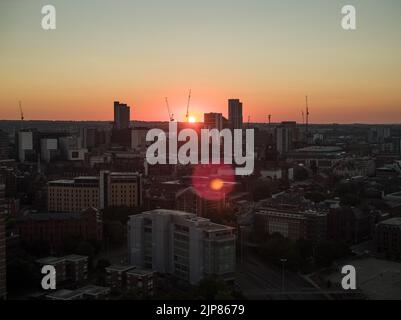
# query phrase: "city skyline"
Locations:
[[267, 54]]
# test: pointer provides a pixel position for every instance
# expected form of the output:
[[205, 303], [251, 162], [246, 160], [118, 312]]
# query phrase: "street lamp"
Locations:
[[283, 261]]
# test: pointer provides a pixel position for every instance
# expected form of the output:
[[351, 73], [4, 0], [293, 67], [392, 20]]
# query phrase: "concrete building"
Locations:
[[294, 225], [235, 116], [388, 238], [110, 189], [58, 263], [55, 228], [213, 121], [182, 244], [143, 280], [121, 116], [116, 277], [4, 145], [76, 268], [138, 139], [189, 200], [48, 149], [286, 135], [71, 148], [25, 142]]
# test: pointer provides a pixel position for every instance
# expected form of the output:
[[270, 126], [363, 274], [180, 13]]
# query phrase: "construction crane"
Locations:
[[189, 100], [21, 112], [170, 115], [307, 116], [270, 118], [249, 121]]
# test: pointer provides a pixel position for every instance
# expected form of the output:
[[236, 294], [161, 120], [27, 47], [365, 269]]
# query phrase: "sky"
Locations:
[[269, 54]]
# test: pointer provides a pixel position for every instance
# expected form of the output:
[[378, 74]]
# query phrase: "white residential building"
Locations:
[[181, 244]]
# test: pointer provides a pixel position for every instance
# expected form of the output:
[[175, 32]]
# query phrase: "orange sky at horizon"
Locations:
[[269, 54]]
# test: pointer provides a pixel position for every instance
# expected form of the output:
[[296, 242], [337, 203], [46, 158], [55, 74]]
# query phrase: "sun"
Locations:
[[216, 184], [191, 119]]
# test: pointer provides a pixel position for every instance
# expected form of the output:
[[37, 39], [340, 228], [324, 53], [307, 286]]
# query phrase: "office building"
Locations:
[[286, 135], [121, 116], [55, 228], [213, 121], [189, 200], [182, 244], [292, 224], [4, 145], [71, 148], [110, 189], [76, 268], [138, 139], [388, 238], [48, 149], [235, 113], [25, 142]]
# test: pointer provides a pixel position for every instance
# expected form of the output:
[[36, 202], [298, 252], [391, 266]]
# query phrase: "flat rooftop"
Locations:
[[120, 268], [140, 272], [65, 294], [392, 222], [50, 260], [75, 257]]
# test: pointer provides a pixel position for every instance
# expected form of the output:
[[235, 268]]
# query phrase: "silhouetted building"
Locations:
[[286, 135], [55, 228], [235, 113], [121, 116], [4, 145], [388, 238], [213, 121], [189, 200], [350, 225]]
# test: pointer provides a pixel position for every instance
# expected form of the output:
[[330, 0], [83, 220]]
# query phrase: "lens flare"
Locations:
[[216, 184], [213, 182]]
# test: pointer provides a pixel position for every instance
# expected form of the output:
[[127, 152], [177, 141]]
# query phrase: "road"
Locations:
[[259, 281]]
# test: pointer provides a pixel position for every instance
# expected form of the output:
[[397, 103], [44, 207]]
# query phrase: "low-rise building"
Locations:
[[143, 280], [76, 268], [117, 276], [388, 238]]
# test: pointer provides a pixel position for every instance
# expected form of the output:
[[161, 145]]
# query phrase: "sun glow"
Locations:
[[191, 119]]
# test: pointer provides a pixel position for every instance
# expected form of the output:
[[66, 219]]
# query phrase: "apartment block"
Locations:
[[76, 268], [388, 238], [110, 189], [182, 244]]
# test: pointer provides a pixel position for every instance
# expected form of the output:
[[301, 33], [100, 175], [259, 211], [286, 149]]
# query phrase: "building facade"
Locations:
[[182, 244], [110, 189], [388, 238], [235, 116], [122, 114], [55, 228]]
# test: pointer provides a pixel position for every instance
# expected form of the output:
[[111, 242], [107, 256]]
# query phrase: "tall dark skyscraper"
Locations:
[[235, 113], [121, 115], [4, 154]]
